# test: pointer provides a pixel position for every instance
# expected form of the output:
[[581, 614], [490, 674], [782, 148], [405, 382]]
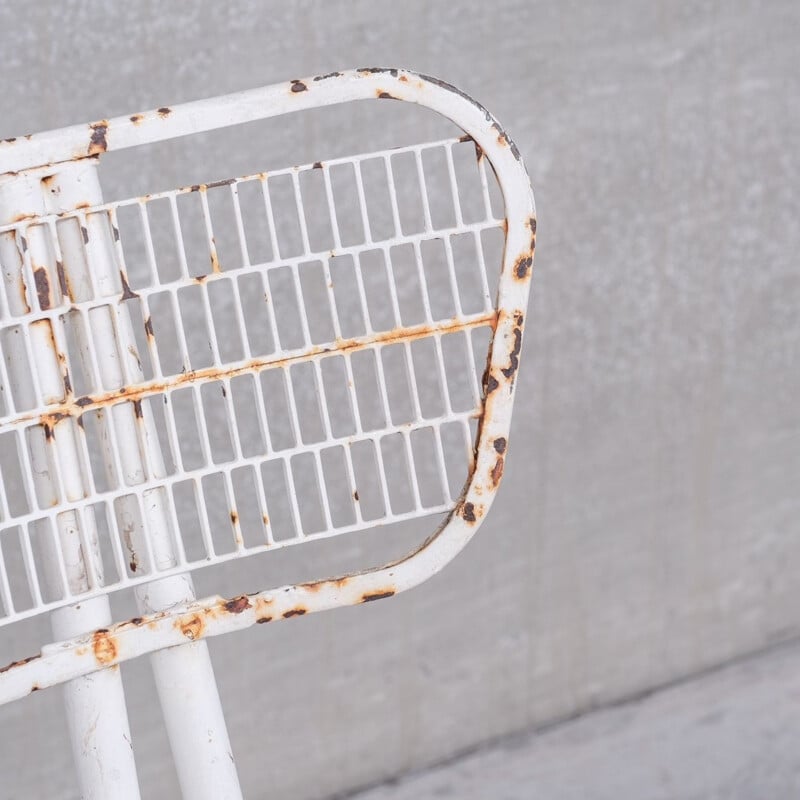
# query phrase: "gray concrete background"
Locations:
[[727, 735], [647, 524]]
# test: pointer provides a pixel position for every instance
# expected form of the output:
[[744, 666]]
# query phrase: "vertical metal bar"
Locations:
[[96, 712], [184, 676]]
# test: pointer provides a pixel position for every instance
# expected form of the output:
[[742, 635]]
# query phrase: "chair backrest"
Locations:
[[203, 374]]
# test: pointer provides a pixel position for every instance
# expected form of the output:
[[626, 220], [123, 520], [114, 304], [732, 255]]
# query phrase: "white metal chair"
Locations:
[[166, 409]]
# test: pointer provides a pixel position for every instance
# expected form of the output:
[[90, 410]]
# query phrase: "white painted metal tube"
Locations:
[[96, 713], [184, 676]]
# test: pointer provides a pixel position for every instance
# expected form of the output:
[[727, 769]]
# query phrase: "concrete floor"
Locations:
[[733, 733]]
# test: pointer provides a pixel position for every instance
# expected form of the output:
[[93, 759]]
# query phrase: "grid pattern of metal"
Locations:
[[201, 374]]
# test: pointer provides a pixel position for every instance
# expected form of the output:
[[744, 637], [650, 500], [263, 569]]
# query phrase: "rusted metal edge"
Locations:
[[76, 406]]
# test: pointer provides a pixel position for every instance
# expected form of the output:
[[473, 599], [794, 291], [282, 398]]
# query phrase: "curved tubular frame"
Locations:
[[211, 616]]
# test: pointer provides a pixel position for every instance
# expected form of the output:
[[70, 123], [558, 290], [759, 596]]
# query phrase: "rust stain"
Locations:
[[137, 391], [369, 597], [148, 327], [234, 518], [491, 383], [137, 118], [295, 612], [513, 358], [327, 75], [377, 71], [127, 293], [468, 512], [385, 95], [191, 627], [137, 409], [262, 620], [522, 268], [20, 663], [164, 111], [42, 287], [97, 141], [299, 86], [104, 646], [500, 444], [237, 604], [497, 471], [63, 282], [214, 258]]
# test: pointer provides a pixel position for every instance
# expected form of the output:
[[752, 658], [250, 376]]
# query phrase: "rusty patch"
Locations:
[[85, 234], [491, 383], [504, 139], [97, 141], [136, 118], [317, 165], [42, 287], [497, 471], [385, 95], [368, 598], [19, 663], [234, 517], [262, 620], [115, 231], [500, 444], [127, 293], [63, 283], [468, 512], [513, 358], [68, 383], [137, 409], [84, 401], [299, 86], [148, 327], [164, 111], [23, 243], [355, 495], [214, 258], [327, 75], [191, 627], [294, 612], [237, 604], [522, 269], [377, 70], [104, 646]]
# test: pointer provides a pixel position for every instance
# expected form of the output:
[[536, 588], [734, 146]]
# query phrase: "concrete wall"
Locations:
[[647, 524]]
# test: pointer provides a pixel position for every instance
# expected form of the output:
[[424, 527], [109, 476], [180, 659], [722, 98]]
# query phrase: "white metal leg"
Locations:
[[96, 712], [184, 676]]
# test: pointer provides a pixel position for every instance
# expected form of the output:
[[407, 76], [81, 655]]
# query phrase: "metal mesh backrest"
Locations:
[[241, 365], [207, 373]]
